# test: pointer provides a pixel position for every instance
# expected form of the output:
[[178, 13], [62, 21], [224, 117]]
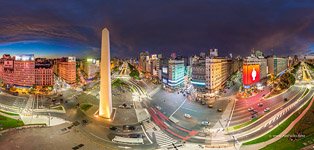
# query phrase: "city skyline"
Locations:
[[185, 28], [148, 75]]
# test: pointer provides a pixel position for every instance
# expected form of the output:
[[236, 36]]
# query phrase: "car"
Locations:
[[128, 107], [135, 136], [113, 128], [250, 109], [205, 123], [254, 112], [128, 127], [210, 106], [266, 109], [158, 107], [260, 104], [80, 145], [219, 109], [203, 103], [84, 121], [187, 116]]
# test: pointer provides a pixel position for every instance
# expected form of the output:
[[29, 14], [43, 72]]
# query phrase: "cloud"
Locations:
[[187, 27]]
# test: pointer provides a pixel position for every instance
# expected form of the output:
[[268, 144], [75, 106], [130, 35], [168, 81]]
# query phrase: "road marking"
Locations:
[[178, 108], [189, 109], [151, 142]]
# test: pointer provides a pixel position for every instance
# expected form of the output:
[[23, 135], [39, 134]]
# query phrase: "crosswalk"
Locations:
[[162, 139], [151, 127], [28, 106]]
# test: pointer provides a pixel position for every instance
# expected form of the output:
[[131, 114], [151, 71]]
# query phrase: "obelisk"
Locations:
[[105, 101]]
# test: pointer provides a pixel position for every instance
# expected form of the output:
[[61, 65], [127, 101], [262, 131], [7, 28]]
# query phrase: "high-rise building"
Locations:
[[251, 71], [210, 73], [66, 69], [173, 73], [276, 65], [258, 62], [24, 70], [199, 73], [154, 62], [173, 56], [147, 65], [8, 70], [218, 70], [213, 52], [90, 68], [44, 75], [142, 60]]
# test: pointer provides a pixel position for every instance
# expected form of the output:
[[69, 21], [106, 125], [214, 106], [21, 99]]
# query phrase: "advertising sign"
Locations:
[[165, 70], [8, 64], [250, 74]]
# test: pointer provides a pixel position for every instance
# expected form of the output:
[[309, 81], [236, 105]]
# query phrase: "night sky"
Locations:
[[73, 27]]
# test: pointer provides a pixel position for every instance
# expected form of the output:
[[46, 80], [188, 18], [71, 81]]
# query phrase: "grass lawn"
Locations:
[[236, 127], [118, 83], [85, 98], [85, 106], [306, 91], [278, 129], [8, 113], [6, 123], [305, 126]]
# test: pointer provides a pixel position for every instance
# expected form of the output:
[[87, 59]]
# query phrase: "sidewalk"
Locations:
[[276, 138], [42, 119]]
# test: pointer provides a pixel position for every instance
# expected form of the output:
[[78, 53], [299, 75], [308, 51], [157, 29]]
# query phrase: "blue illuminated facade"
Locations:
[[175, 74]]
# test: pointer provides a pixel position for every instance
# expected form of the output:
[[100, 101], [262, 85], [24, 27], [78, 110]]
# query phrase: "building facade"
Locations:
[[276, 65], [24, 70], [7, 69], [66, 69], [173, 73], [90, 68], [142, 61], [210, 73], [44, 75], [218, 70], [199, 73], [251, 71]]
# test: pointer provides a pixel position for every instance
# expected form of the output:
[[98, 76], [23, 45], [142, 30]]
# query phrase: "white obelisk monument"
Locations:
[[105, 101]]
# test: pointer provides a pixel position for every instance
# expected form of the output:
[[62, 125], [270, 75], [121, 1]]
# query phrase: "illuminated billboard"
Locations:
[[165, 70], [250, 74], [25, 57]]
